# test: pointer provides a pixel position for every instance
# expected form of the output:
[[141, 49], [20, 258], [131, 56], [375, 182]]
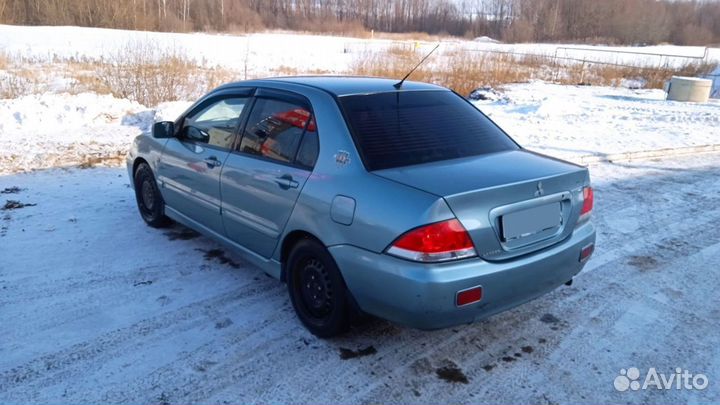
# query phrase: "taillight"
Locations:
[[587, 206], [438, 242]]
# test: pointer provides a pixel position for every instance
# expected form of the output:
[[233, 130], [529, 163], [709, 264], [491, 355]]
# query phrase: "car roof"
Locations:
[[341, 85]]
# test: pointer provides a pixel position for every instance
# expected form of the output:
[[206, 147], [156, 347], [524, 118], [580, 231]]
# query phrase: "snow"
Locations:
[[50, 130], [264, 53], [96, 307], [575, 121], [39, 131], [486, 39]]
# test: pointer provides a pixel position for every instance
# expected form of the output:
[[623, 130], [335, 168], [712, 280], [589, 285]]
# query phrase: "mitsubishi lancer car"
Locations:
[[364, 195]]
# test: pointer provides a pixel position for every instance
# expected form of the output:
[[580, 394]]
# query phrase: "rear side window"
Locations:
[[309, 148], [408, 128], [275, 129]]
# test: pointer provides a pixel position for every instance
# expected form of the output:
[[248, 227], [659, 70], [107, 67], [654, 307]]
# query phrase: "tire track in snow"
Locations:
[[90, 351], [72, 307]]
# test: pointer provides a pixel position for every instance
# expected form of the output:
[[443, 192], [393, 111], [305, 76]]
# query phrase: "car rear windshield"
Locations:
[[407, 128]]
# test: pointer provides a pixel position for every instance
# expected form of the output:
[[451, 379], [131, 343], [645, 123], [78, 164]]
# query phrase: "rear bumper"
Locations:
[[423, 295]]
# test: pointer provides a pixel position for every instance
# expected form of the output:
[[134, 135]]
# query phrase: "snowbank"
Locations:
[[486, 39], [575, 121], [47, 113], [51, 130]]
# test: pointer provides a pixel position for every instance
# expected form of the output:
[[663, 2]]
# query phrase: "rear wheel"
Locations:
[[317, 290], [149, 200]]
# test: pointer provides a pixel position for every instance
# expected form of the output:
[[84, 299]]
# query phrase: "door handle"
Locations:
[[212, 161], [286, 182]]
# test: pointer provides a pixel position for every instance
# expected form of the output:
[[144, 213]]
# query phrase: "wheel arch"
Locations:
[[137, 162], [288, 242]]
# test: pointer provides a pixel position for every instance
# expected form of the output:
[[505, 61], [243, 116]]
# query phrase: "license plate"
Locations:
[[530, 221]]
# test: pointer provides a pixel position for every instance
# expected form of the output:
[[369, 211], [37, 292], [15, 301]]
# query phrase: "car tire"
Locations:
[[317, 289], [149, 200]]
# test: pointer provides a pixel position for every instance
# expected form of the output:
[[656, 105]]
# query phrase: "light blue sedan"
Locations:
[[404, 202]]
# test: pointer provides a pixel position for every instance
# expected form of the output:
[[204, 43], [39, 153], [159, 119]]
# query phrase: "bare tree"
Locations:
[[618, 21]]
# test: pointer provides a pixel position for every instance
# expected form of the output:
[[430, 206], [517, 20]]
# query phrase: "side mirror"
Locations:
[[163, 129]]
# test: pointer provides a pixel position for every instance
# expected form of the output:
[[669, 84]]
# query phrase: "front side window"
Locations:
[[276, 128], [215, 124], [399, 128]]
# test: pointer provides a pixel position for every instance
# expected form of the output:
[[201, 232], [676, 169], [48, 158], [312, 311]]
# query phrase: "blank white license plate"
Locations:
[[530, 221]]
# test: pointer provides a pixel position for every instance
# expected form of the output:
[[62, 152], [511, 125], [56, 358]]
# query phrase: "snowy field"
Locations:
[[98, 308], [263, 52]]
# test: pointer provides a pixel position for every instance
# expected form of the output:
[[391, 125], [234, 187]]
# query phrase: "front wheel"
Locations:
[[317, 290], [149, 200]]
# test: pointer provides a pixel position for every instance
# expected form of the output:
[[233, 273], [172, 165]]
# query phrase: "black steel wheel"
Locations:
[[149, 200], [317, 290]]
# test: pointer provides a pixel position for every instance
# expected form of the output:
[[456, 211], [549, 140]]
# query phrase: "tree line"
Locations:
[[694, 22]]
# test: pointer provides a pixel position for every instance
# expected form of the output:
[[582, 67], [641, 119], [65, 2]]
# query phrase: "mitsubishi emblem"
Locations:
[[342, 158], [540, 190]]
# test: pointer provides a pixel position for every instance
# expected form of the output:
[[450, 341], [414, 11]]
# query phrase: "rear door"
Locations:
[[190, 168], [263, 177]]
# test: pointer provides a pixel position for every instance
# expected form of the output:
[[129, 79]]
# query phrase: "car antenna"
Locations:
[[400, 83]]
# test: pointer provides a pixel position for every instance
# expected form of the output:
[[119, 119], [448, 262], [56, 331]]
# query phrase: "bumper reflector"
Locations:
[[586, 252], [469, 296]]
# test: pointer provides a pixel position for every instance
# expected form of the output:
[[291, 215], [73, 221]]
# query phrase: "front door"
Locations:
[[263, 178], [192, 161]]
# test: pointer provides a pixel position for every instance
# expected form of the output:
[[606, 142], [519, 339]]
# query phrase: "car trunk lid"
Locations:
[[511, 203]]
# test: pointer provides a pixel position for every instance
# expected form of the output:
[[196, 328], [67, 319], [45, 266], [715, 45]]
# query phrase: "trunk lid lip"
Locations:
[[443, 162], [517, 183], [431, 177]]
